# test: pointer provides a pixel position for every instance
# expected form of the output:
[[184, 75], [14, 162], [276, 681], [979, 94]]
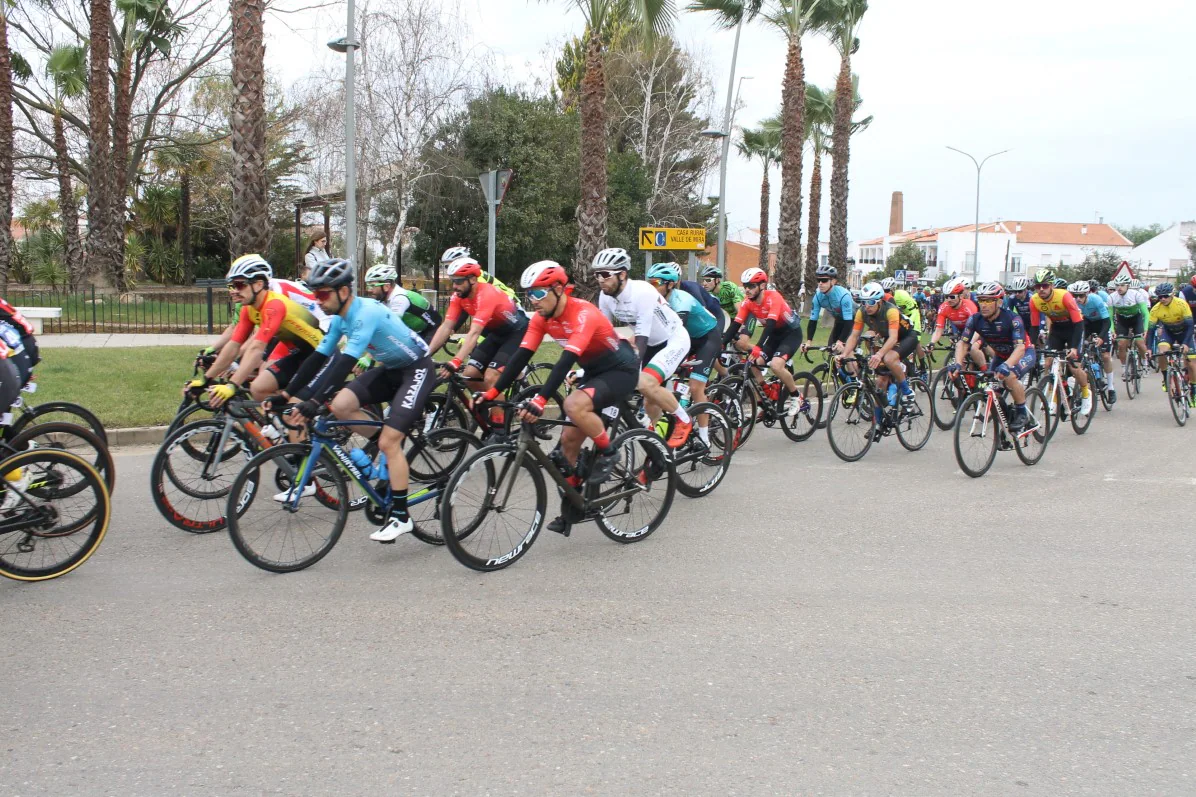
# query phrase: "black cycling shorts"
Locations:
[[407, 390], [1131, 325], [1099, 326], [24, 365], [1060, 335], [496, 350], [705, 350], [284, 370], [610, 386], [906, 345], [10, 385], [783, 342]]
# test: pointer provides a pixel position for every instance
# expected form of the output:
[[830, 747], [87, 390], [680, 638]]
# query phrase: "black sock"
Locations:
[[398, 505]]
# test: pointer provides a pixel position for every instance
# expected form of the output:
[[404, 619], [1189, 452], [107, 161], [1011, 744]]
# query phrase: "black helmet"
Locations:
[[827, 271], [334, 273]]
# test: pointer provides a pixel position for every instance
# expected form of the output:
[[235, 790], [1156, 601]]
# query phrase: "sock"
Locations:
[[876, 413], [1020, 407], [1084, 393], [574, 480], [704, 434], [398, 505], [681, 414], [602, 441], [904, 387]]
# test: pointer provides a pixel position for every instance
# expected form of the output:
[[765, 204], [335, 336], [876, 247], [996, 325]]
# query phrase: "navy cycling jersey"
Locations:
[[708, 300], [370, 325], [1188, 294], [837, 301], [698, 320], [1002, 334], [1020, 307]]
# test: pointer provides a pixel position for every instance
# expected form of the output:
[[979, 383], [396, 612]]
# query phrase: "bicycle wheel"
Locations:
[[1177, 396], [1102, 394], [915, 421], [188, 414], [190, 492], [801, 426], [433, 457], [1052, 393], [272, 534], [701, 466], [746, 396], [977, 432], [1079, 421], [441, 412], [56, 521], [1031, 446], [60, 412], [1138, 370], [945, 398], [636, 498], [1127, 374], [492, 511], [725, 399], [850, 422], [71, 437]]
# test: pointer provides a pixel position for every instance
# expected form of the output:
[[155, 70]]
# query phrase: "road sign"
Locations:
[[1124, 268], [899, 275], [911, 276], [656, 238], [495, 184]]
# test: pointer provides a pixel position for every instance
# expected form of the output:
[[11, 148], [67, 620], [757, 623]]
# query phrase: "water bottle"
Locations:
[[1071, 383], [683, 397], [362, 461], [380, 469], [892, 395], [1098, 373], [270, 433]]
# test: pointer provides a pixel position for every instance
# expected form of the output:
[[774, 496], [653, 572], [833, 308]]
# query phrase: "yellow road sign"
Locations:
[[657, 238]]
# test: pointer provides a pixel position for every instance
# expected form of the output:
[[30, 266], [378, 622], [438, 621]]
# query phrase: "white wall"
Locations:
[[1034, 255], [1154, 258], [954, 248]]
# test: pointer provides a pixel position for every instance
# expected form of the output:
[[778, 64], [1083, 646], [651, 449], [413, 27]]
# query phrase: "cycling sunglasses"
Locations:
[[459, 280], [872, 302], [985, 299], [537, 294], [372, 285], [322, 293], [237, 285], [657, 281], [824, 279], [605, 275]]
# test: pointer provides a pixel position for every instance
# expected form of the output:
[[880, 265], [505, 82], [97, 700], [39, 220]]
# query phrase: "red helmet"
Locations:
[[1193, 280], [753, 276], [464, 267], [543, 274]]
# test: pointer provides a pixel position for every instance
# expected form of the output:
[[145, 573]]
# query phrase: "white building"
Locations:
[[1007, 248], [1164, 255]]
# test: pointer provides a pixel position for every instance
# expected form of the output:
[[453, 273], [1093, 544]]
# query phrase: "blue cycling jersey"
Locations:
[[698, 320], [836, 301], [707, 299], [1002, 333], [371, 325], [1094, 308]]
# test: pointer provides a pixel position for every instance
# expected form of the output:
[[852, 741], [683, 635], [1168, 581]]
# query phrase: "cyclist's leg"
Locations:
[[372, 387], [785, 348], [661, 365], [705, 352], [413, 386]]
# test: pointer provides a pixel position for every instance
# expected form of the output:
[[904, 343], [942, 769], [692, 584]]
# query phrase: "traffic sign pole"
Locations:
[[492, 221]]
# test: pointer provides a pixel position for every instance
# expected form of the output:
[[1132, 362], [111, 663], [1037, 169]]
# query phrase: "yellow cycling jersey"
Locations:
[[282, 318], [1173, 314]]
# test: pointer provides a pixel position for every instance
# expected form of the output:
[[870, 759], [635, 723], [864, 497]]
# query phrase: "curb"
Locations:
[[136, 436]]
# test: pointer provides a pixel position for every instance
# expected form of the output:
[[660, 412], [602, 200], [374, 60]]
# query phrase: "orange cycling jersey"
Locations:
[[1061, 308], [886, 318], [280, 318]]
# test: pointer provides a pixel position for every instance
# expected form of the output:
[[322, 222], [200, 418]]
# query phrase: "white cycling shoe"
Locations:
[[1086, 404], [287, 495], [393, 529]]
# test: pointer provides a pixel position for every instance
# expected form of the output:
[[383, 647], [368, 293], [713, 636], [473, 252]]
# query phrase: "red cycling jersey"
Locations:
[[582, 329], [957, 315], [14, 314], [770, 305], [487, 305]]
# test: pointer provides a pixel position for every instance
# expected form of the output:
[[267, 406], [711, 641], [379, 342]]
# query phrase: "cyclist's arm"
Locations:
[[237, 335], [532, 339], [314, 364], [451, 316], [476, 328]]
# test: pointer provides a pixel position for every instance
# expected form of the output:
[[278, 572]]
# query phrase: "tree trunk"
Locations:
[[814, 211], [66, 206], [120, 159], [102, 256], [765, 191], [5, 152], [251, 209], [793, 100], [185, 246], [844, 106], [591, 212]]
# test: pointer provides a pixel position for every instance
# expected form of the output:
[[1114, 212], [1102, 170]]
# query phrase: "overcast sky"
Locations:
[[1094, 99]]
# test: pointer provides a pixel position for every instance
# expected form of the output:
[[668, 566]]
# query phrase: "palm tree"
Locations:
[[5, 150], [842, 24], [652, 18], [187, 158], [819, 113], [67, 69], [104, 229], [764, 144], [250, 208]]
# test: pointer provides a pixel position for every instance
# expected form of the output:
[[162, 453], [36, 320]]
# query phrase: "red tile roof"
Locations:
[[1031, 232], [740, 256]]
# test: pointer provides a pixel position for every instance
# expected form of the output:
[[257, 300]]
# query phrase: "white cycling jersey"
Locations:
[[640, 307], [1132, 298]]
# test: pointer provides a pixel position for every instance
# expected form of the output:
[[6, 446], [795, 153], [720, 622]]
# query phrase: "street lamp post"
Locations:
[[979, 166], [347, 45]]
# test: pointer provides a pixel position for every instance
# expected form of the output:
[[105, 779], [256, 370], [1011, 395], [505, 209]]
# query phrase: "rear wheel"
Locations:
[[72, 437], [977, 433], [914, 423], [1177, 396], [945, 398], [725, 399], [850, 421], [801, 426], [700, 465], [190, 492], [1055, 402], [1031, 446], [60, 412]]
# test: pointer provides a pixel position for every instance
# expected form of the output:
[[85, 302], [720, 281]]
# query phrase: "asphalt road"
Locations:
[[814, 627]]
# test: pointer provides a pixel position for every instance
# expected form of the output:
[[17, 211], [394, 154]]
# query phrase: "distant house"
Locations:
[[743, 252], [1007, 248], [1166, 254]]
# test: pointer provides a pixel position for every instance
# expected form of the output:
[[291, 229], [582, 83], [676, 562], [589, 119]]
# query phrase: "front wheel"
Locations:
[[799, 423], [1079, 421], [1177, 395], [725, 399], [977, 432], [851, 421], [61, 412], [702, 464], [1053, 392], [914, 423]]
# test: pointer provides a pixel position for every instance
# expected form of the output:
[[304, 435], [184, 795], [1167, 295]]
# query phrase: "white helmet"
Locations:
[[381, 273], [1135, 283], [990, 289], [1078, 287], [872, 292], [1122, 279], [955, 287], [543, 274], [464, 267], [250, 267], [612, 259], [753, 276], [452, 253], [889, 284], [1020, 284]]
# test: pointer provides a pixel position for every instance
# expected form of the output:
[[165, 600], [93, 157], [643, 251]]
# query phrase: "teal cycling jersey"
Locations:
[[698, 320], [369, 325], [1094, 308]]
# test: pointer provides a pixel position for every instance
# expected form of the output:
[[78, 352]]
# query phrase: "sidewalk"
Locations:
[[87, 340]]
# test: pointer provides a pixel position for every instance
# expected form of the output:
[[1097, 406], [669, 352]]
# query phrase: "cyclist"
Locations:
[[956, 308], [781, 336], [1006, 340], [729, 294], [458, 252], [1097, 321], [704, 336], [1131, 307], [836, 300], [12, 316], [295, 291], [904, 301], [275, 316], [1065, 328], [587, 339], [1173, 320], [704, 297], [897, 338], [492, 312], [660, 338], [416, 313], [1017, 301], [405, 378], [1095, 287], [1188, 294]]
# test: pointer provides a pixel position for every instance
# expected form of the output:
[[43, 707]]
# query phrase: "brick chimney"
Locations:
[[897, 214]]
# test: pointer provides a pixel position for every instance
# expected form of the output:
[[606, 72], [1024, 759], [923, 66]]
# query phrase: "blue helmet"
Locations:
[[667, 272]]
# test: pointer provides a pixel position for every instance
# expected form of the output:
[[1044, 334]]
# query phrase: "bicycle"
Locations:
[[852, 410], [1097, 377], [1131, 372], [767, 402], [982, 428], [1063, 397], [54, 517], [495, 503], [49, 412], [1175, 382], [264, 531]]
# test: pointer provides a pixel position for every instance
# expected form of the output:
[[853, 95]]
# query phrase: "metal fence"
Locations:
[[200, 310]]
